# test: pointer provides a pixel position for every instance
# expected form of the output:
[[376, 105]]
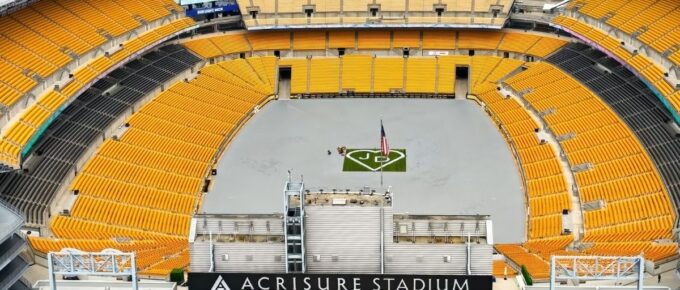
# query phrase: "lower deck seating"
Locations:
[[609, 150], [145, 186], [545, 181], [635, 103], [633, 215]]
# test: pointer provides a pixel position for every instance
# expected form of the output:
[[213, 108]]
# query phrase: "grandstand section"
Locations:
[[141, 164], [610, 167], [632, 101], [46, 37], [79, 127], [626, 44], [74, 64], [598, 145], [278, 14]]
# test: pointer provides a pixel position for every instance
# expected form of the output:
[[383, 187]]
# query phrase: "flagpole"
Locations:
[[382, 160], [382, 163]]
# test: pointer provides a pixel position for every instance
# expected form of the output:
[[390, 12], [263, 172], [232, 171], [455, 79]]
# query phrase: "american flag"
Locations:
[[384, 147]]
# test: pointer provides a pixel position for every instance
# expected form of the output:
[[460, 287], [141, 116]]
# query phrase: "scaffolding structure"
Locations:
[[591, 268], [109, 262]]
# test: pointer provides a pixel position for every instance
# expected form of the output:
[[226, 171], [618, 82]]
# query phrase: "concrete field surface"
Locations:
[[458, 163]]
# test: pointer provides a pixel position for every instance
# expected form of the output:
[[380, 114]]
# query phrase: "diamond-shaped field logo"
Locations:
[[372, 160]]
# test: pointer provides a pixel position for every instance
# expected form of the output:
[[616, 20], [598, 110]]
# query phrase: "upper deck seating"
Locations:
[[82, 123]]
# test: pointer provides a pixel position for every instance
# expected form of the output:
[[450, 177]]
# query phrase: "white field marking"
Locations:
[[349, 155]]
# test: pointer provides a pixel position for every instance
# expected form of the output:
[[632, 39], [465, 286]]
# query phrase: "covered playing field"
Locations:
[[457, 163]]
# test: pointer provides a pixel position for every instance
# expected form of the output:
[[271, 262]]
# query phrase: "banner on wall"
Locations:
[[202, 11], [262, 281]]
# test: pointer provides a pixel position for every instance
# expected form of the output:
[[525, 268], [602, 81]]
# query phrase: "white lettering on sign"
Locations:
[[341, 284], [422, 284], [247, 284], [375, 282], [344, 283], [356, 284], [259, 283], [279, 283], [456, 286], [327, 287], [307, 285]]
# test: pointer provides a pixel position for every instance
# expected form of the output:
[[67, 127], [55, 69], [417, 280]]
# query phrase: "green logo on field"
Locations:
[[372, 160]]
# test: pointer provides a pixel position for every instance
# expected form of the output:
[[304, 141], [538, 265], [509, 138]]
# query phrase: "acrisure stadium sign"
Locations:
[[257, 281]]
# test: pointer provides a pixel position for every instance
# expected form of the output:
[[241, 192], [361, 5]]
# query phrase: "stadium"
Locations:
[[339, 144]]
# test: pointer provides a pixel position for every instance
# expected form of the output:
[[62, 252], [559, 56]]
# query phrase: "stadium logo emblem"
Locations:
[[220, 284], [373, 160]]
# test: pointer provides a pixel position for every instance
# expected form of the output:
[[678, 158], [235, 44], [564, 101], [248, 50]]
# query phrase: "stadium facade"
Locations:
[[342, 233]]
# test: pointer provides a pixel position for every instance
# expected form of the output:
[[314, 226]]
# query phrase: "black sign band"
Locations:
[[257, 281]]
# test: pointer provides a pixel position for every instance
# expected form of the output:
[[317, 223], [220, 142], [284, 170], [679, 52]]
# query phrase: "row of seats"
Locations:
[[655, 23], [128, 193], [614, 152], [67, 227], [17, 136], [147, 252], [545, 183], [652, 251], [366, 74], [546, 200], [538, 161], [546, 246], [41, 38], [534, 264], [640, 63], [47, 244], [147, 184], [501, 269], [277, 12], [167, 264], [231, 43], [128, 215]]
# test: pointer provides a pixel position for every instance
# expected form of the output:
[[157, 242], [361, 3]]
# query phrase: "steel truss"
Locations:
[[590, 268], [109, 262]]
